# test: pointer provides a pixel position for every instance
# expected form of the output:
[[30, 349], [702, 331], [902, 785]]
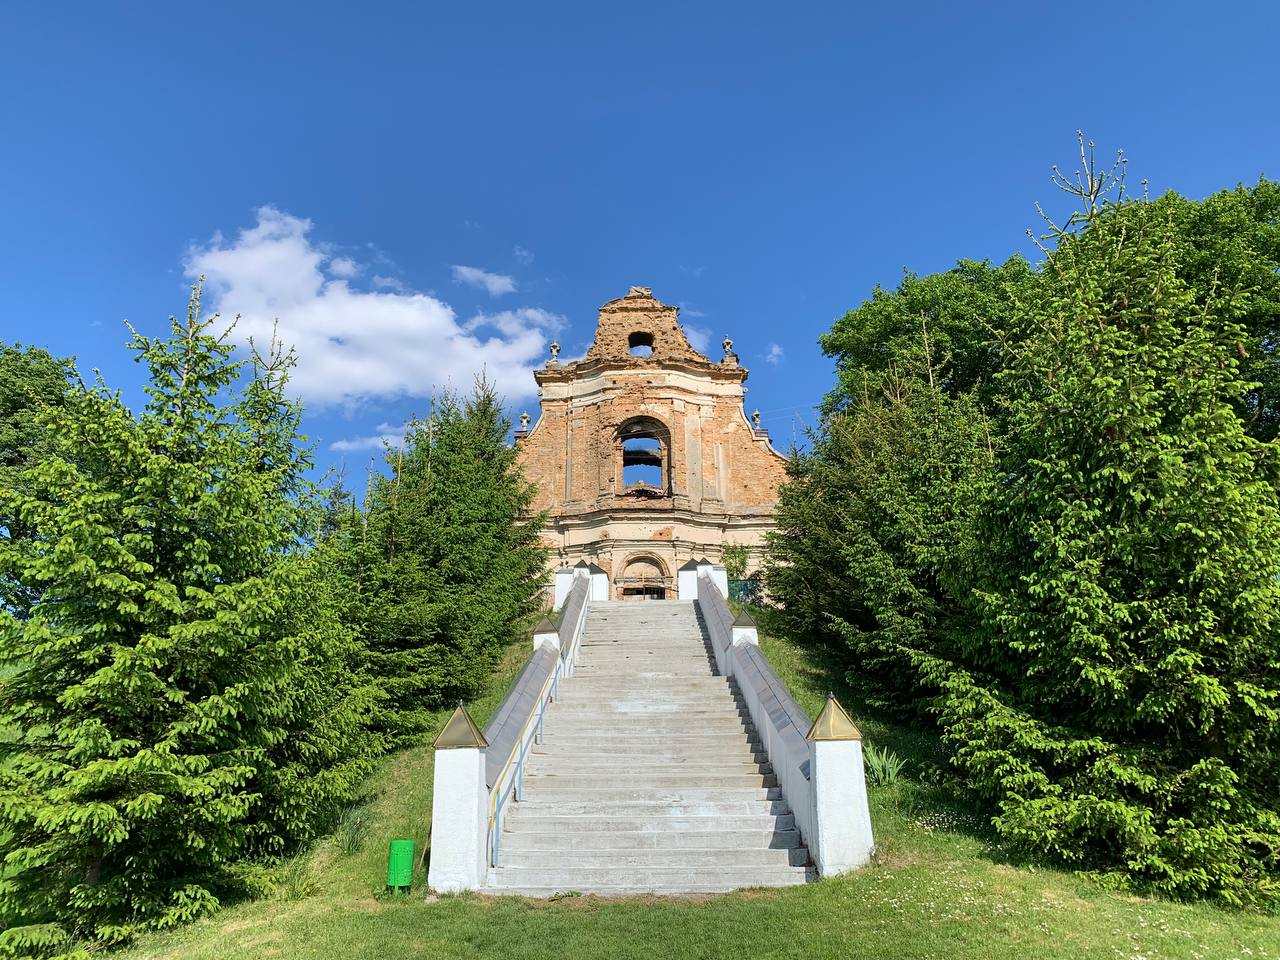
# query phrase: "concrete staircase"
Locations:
[[649, 778]]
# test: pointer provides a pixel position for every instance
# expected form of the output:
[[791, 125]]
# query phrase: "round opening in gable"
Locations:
[[641, 344]]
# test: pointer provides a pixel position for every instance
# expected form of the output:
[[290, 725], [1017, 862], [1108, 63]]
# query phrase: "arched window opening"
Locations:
[[643, 445], [641, 344]]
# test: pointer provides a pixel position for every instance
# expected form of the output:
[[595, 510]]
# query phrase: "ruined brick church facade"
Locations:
[[643, 455]]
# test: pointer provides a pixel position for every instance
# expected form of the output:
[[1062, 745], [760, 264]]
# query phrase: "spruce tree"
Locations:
[[455, 563], [319, 763], [1119, 703], [155, 681], [31, 382], [873, 522]]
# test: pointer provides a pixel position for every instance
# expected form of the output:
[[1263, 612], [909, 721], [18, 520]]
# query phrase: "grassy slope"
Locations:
[[939, 890]]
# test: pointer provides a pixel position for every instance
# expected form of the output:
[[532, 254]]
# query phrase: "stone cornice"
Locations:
[[568, 372]]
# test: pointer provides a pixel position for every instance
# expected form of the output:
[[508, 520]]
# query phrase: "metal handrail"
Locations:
[[499, 795]]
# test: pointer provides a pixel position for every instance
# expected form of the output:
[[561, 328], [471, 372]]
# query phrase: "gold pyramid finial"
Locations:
[[461, 731], [833, 723]]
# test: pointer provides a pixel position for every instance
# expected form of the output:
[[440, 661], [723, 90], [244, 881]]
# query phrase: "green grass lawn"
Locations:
[[939, 889]]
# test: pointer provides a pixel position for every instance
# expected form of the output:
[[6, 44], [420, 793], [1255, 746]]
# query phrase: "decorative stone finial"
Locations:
[[755, 419], [524, 422], [640, 292], [555, 353], [730, 358]]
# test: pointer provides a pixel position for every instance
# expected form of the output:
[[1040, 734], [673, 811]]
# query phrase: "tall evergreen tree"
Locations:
[[155, 683], [1120, 703], [1227, 242], [31, 382], [873, 521], [1091, 619], [455, 559]]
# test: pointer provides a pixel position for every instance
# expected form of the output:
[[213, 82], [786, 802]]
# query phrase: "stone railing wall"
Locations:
[[822, 779], [485, 775]]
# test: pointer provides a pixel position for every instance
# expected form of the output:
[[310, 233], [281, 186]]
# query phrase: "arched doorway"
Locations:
[[642, 578]]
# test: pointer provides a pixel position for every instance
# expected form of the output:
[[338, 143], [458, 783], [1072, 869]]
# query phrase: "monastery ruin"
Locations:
[[643, 455]]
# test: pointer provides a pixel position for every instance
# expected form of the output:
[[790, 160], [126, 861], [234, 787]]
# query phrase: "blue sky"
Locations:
[[416, 190]]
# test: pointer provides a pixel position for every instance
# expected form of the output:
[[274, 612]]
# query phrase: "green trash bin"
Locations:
[[400, 865]]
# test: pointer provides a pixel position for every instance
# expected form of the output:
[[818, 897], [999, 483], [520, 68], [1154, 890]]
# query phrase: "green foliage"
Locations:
[[176, 694], [31, 383], [1228, 246], [936, 890], [1119, 702], [872, 522], [294, 879], [960, 309], [1038, 513], [450, 563], [882, 765], [353, 829], [735, 557]]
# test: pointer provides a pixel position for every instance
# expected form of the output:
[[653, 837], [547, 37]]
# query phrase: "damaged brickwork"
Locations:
[[644, 402]]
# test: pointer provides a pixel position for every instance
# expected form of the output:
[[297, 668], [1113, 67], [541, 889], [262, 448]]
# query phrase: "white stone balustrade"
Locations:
[[819, 765], [475, 773]]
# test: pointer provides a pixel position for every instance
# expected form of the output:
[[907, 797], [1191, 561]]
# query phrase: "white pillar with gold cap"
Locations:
[[459, 810], [842, 820]]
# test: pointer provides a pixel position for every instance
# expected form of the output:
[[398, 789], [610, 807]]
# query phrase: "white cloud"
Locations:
[[344, 267], [522, 255], [387, 435], [386, 283], [495, 284], [512, 323], [357, 345], [695, 272], [774, 354], [700, 337]]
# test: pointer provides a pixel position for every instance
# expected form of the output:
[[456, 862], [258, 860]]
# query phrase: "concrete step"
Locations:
[[645, 764], [549, 791], [627, 858], [662, 721], [498, 889], [587, 688], [691, 654], [693, 647], [655, 673], [645, 703], [616, 730], [639, 711], [684, 744], [616, 766], [590, 691], [552, 842], [520, 817], [607, 880], [624, 666], [616, 645], [740, 759], [675, 807], [604, 779]]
